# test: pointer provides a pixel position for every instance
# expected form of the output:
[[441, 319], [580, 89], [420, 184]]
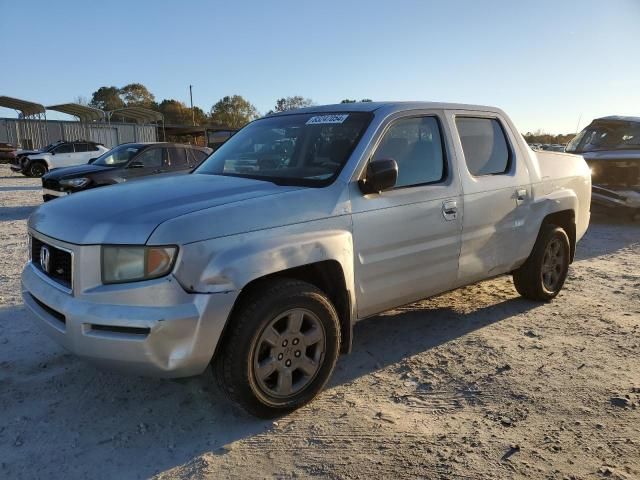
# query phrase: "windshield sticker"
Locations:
[[320, 119]]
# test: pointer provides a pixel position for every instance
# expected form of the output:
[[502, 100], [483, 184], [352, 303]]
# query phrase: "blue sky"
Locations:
[[545, 62]]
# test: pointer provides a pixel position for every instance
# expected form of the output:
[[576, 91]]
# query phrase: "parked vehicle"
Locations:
[[217, 137], [264, 272], [124, 163], [35, 163], [611, 147], [7, 152]]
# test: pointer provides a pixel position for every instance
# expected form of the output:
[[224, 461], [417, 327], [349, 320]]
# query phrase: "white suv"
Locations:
[[60, 154]]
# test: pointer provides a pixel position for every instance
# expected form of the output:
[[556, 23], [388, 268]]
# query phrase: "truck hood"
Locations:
[[129, 213]]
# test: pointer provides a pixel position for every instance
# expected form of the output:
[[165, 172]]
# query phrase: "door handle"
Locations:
[[450, 210], [521, 194]]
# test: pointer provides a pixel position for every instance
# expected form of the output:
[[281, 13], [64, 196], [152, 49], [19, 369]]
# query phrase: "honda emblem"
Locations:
[[44, 259]]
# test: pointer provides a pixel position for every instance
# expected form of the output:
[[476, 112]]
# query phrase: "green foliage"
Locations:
[[233, 111], [107, 98], [175, 112], [291, 103], [136, 94], [541, 137]]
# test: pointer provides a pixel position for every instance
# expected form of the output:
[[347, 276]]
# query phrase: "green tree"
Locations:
[[175, 112], [291, 103], [136, 94], [107, 98], [233, 111], [200, 116]]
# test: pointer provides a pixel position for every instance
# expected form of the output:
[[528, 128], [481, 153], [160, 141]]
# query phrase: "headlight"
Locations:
[[75, 182], [132, 264]]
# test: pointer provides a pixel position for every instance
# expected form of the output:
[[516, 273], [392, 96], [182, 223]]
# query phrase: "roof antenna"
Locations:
[[579, 118]]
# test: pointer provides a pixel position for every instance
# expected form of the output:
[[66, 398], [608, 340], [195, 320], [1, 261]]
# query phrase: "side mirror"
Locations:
[[53, 153], [381, 175], [136, 165]]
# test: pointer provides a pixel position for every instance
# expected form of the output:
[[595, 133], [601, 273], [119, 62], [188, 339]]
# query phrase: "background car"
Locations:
[[126, 162], [7, 152], [56, 155]]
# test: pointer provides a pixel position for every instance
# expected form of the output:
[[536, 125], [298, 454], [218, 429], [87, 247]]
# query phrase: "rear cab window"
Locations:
[[485, 146]]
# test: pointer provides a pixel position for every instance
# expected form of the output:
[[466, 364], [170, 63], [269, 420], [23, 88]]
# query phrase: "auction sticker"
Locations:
[[320, 119]]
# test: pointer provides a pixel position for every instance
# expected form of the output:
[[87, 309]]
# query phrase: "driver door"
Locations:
[[149, 162], [407, 239], [64, 155]]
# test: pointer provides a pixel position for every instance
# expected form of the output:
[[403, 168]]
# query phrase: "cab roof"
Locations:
[[389, 107]]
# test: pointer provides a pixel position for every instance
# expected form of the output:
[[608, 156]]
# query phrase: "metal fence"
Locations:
[[26, 133]]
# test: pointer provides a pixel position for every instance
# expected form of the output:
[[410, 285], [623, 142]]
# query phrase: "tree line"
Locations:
[[232, 110], [548, 138]]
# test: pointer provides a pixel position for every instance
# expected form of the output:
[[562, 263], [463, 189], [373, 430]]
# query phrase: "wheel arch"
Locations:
[[327, 275], [566, 219]]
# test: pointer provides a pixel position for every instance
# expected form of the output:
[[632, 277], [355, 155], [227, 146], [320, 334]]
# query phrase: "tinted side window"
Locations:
[[64, 148], [177, 157], [80, 147], [151, 158], [93, 147], [485, 147], [415, 144], [196, 156]]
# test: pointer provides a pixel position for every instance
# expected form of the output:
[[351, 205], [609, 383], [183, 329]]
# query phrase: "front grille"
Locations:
[[51, 184], [60, 264]]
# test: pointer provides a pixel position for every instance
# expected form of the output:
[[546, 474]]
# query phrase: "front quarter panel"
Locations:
[[230, 263]]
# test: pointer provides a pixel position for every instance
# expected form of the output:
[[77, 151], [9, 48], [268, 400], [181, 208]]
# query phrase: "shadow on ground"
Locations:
[[17, 188], [8, 214], [85, 413]]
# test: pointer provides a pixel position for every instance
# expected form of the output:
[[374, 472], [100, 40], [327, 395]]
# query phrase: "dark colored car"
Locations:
[[7, 152], [611, 147], [123, 163]]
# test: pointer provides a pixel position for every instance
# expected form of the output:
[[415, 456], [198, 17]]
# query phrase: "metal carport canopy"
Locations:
[[139, 114], [23, 106], [83, 112]]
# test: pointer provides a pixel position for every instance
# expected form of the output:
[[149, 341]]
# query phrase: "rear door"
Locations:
[[81, 154], [497, 189], [177, 159], [407, 239]]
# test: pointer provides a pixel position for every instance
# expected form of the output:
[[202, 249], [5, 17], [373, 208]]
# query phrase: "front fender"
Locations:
[[230, 263]]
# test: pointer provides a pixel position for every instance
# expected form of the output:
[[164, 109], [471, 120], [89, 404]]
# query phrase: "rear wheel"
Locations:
[[542, 276], [281, 349], [37, 169]]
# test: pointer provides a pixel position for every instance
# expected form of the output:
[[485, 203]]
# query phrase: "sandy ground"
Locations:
[[477, 383]]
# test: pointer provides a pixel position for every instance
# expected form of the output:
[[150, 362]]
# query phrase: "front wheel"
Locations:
[[37, 169], [542, 276], [281, 350]]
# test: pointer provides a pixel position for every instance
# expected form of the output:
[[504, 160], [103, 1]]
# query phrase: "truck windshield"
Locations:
[[606, 136], [118, 156], [307, 149]]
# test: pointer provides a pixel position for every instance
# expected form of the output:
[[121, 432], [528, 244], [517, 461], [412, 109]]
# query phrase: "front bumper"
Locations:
[[148, 328], [619, 197]]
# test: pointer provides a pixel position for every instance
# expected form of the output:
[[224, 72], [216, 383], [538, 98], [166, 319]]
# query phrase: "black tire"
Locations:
[[37, 169], [533, 280], [237, 364]]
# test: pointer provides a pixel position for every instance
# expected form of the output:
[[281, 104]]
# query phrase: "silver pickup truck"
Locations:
[[261, 261]]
